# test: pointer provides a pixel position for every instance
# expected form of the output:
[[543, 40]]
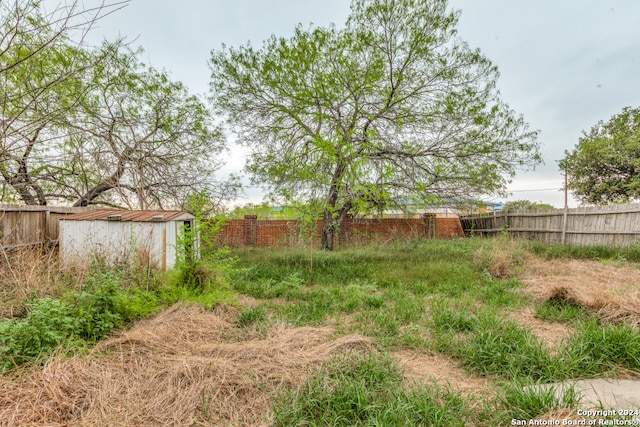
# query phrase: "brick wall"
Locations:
[[253, 232]]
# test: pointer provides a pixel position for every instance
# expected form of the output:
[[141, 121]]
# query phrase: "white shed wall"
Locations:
[[116, 241]]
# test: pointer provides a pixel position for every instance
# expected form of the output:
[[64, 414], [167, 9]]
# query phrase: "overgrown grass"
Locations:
[[489, 345], [367, 390], [594, 252], [597, 349], [522, 402], [107, 299], [451, 297]]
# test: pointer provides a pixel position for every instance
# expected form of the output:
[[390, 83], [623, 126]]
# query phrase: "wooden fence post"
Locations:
[[564, 225]]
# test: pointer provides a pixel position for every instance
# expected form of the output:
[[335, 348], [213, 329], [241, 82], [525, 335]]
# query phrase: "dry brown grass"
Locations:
[[502, 257], [551, 334], [611, 292], [443, 371], [172, 369], [34, 272]]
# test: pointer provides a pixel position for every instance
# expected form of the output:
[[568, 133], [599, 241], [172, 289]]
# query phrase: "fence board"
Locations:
[[22, 226], [616, 225]]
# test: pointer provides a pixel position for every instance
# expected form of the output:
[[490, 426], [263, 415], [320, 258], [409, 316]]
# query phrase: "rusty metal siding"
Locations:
[[137, 216]]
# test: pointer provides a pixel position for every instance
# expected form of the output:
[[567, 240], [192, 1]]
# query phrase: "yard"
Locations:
[[438, 332]]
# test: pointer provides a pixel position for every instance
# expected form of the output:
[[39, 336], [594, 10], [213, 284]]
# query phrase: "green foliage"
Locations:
[[595, 252], [604, 167], [96, 307], [82, 122], [48, 324], [107, 301], [367, 390], [533, 401], [526, 204], [596, 349]]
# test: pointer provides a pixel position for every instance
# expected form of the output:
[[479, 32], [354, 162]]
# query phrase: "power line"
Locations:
[[538, 189]]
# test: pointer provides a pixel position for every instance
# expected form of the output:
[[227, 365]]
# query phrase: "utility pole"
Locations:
[[566, 208]]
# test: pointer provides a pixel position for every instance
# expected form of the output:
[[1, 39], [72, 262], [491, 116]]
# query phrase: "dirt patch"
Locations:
[[551, 334], [609, 291], [173, 369], [442, 370]]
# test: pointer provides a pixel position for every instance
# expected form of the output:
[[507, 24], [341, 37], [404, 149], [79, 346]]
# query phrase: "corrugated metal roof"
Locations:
[[139, 216]]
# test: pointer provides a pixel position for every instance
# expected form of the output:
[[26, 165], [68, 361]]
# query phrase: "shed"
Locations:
[[152, 237]]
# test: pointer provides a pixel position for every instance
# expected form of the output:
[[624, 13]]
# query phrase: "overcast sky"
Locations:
[[564, 64]]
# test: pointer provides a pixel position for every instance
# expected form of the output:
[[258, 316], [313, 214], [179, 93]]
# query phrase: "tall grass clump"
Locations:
[[488, 345], [598, 348], [366, 390], [501, 257], [30, 273], [594, 252], [520, 402]]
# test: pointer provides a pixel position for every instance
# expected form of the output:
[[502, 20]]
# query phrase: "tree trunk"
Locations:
[[331, 224], [328, 230]]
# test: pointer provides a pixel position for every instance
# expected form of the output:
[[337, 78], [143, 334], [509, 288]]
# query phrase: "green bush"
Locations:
[[47, 324], [97, 308]]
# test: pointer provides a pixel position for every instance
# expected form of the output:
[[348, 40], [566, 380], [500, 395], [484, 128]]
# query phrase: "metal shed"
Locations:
[[117, 235]]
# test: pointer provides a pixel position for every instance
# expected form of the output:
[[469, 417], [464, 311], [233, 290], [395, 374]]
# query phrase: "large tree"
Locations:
[[137, 138], [41, 56], [604, 167], [391, 108], [93, 125]]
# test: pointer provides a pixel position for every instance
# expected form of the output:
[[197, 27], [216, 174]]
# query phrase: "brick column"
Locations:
[[429, 224], [250, 230], [344, 234]]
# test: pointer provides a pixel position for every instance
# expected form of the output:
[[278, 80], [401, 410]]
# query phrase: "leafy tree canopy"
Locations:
[[392, 107], [94, 125], [604, 167], [526, 204]]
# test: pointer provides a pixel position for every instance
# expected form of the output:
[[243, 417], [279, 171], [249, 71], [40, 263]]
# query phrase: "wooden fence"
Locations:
[[31, 225], [616, 225]]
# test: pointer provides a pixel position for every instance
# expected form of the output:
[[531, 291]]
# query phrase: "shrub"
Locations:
[[48, 323], [97, 308]]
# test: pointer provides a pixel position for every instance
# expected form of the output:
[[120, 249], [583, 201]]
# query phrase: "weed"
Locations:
[[596, 349], [251, 316], [529, 402], [49, 322], [557, 310], [366, 390], [501, 256]]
